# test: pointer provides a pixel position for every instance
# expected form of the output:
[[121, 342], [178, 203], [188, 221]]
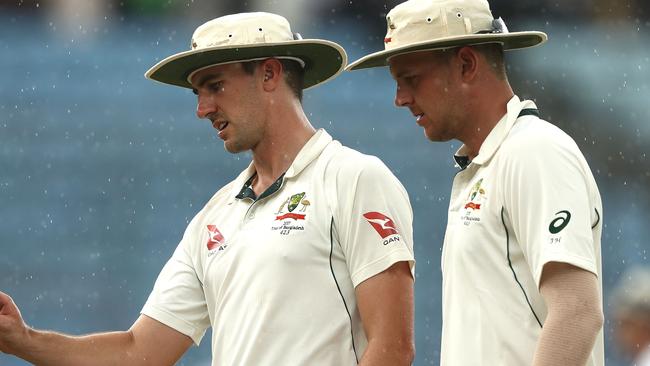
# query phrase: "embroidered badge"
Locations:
[[475, 199], [291, 212]]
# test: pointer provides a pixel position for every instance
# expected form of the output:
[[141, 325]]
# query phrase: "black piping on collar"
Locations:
[[247, 190], [463, 161]]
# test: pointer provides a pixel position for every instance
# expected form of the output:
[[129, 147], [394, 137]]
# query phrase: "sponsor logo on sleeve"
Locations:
[[383, 225], [558, 224]]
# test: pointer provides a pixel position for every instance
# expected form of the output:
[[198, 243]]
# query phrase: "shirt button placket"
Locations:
[[251, 212]]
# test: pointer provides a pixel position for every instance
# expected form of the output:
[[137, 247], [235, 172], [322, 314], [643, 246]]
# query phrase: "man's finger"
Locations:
[[6, 304]]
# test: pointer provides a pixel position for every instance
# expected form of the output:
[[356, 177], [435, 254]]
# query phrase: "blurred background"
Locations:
[[101, 169]]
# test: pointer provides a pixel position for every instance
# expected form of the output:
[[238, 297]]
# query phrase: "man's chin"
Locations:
[[233, 148], [432, 137], [436, 137]]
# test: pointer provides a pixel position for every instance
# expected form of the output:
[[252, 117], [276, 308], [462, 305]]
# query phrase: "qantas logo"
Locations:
[[383, 224], [215, 238]]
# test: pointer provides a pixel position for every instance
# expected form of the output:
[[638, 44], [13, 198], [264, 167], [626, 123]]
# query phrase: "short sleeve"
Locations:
[[550, 203], [178, 299], [373, 218]]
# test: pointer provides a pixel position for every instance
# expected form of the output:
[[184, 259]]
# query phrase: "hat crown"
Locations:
[[417, 21], [242, 29], [247, 37]]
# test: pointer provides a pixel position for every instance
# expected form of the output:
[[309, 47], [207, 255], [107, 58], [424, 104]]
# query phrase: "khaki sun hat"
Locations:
[[419, 25], [246, 37]]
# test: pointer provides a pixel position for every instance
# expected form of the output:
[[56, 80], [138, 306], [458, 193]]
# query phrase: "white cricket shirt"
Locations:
[[527, 199], [275, 276]]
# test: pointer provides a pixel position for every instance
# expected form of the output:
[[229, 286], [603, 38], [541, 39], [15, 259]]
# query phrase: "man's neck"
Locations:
[[279, 148], [483, 120]]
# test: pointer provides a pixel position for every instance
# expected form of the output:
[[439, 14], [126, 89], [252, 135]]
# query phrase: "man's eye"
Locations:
[[216, 87]]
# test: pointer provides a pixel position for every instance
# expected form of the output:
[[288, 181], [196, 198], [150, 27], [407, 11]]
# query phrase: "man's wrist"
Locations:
[[25, 343]]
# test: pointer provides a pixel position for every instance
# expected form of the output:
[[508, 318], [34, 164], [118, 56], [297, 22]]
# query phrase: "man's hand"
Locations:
[[148, 342], [13, 330]]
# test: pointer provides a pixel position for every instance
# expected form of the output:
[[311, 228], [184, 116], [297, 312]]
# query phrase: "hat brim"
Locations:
[[510, 41], [323, 60]]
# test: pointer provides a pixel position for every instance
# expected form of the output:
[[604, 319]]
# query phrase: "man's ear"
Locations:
[[271, 73], [468, 60]]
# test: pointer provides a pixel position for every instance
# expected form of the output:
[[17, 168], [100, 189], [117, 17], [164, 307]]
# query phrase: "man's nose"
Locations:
[[402, 98], [205, 106]]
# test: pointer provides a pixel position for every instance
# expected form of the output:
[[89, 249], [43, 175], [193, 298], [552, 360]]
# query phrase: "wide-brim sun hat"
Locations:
[[421, 25], [250, 36]]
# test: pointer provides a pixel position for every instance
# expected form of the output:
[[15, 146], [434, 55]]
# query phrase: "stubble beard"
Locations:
[[245, 138], [250, 128], [437, 133]]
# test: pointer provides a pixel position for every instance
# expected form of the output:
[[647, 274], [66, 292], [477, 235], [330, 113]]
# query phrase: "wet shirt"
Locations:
[[274, 275], [528, 198]]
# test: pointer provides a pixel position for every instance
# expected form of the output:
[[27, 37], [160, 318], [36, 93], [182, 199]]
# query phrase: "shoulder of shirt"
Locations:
[[535, 135], [349, 161], [223, 195]]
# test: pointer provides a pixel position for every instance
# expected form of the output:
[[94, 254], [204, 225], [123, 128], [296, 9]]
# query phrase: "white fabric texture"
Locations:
[[528, 198], [275, 277]]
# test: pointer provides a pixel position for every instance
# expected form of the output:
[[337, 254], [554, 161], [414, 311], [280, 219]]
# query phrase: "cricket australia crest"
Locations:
[[475, 200], [291, 213]]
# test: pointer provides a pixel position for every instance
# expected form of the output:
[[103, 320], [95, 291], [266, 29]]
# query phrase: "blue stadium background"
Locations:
[[101, 169]]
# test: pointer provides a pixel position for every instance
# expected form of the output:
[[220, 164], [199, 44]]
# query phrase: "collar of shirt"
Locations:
[[496, 136], [308, 153]]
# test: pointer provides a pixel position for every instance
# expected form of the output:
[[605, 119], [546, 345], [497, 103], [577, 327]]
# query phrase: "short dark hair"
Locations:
[[294, 74], [492, 52], [494, 55]]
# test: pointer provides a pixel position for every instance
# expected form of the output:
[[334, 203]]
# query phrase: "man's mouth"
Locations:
[[418, 117], [220, 125]]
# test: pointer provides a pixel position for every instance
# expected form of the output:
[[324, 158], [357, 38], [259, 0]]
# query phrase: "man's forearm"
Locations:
[[386, 307], [568, 339], [49, 348], [574, 316]]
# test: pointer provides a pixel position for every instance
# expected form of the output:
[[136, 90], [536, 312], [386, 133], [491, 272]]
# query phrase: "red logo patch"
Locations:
[[290, 215], [383, 224], [215, 238]]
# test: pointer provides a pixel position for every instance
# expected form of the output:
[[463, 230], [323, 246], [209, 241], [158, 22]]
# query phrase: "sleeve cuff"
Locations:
[[581, 262], [383, 263], [174, 323]]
